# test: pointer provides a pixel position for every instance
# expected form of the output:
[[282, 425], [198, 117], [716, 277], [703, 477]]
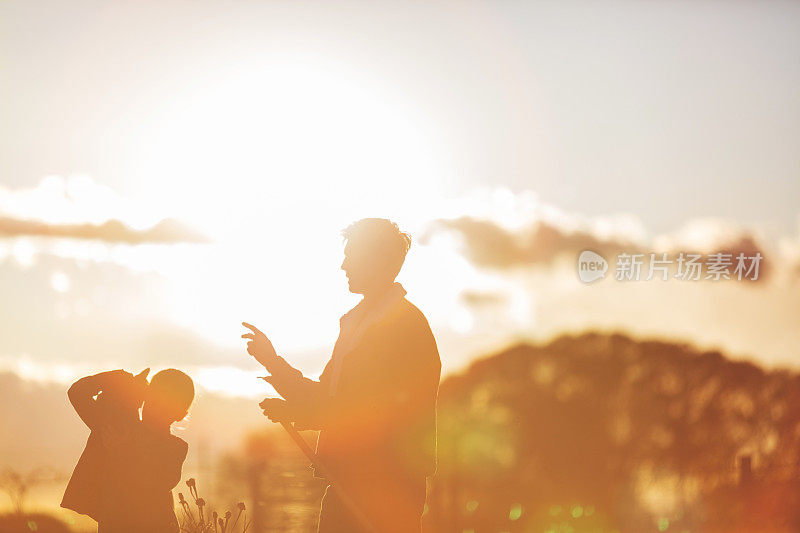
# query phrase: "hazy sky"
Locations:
[[669, 110], [268, 126]]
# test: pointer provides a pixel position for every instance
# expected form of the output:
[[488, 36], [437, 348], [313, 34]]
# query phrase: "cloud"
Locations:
[[166, 231], [789, 247], [717, 236], [72, 200], [475, 298], [80, 208], [747, 246], [488, 244]]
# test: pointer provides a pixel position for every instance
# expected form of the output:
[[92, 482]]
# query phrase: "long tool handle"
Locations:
[[322, 469]]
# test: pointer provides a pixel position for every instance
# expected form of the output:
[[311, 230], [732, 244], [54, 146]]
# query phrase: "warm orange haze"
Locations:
[[570, 304]]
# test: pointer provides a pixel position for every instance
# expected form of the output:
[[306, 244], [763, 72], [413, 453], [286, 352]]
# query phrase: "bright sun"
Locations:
[[290, 135], [272, 162]]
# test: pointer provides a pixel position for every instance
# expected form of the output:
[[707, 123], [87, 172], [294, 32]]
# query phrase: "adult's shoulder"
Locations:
[[417, 335], [412, 314], [416, 325]]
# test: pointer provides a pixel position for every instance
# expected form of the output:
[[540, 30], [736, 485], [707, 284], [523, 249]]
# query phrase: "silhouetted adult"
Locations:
[[375, 402]]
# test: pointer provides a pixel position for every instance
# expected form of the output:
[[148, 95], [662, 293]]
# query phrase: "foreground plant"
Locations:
[[203, 523]]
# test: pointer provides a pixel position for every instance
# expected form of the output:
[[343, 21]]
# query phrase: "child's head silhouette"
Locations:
[[168, 398]]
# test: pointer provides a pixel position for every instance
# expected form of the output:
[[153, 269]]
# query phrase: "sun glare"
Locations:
[[287, 139], [271, 161]]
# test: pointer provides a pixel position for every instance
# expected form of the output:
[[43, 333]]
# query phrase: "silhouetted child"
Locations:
[[159, 455], [129, 467]]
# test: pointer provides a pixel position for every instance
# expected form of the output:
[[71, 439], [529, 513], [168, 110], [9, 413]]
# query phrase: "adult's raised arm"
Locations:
[[303, 395], [260, 347]]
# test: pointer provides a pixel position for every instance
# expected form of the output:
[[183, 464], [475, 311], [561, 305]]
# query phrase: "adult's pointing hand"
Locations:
[[259, 346]]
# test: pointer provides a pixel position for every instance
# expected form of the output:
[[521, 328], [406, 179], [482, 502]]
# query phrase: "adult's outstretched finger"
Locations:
[[252, 328]]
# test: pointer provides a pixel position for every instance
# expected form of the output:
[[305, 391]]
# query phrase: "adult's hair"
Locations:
[[381, 237]]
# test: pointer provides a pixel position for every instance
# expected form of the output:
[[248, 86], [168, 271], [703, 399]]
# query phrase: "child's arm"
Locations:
[[81, 395]]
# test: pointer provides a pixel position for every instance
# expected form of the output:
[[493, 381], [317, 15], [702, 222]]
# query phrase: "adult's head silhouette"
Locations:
[[374, 252]]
